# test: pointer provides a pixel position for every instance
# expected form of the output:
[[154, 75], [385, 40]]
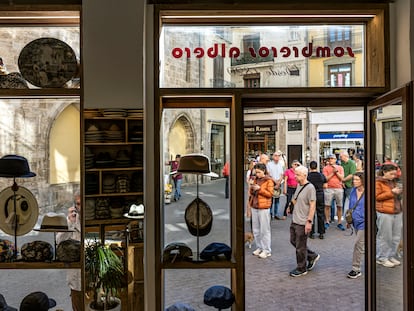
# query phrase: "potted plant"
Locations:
[[105, 276]]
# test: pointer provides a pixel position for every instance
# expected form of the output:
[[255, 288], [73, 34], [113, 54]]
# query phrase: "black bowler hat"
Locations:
[[37, 301], [15, 166]]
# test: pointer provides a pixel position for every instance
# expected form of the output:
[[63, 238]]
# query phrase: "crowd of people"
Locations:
[[312, 194]]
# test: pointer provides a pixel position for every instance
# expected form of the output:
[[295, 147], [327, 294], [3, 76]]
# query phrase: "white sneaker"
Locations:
[[265, 254], [395, 261], [386, 263], [257, 252]]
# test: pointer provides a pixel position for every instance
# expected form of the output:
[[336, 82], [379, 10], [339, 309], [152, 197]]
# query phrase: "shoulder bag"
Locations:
[[293, 201], [348, 214]]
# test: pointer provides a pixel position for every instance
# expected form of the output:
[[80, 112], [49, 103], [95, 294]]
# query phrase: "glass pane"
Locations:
[[45, 62], [192, 139], [389, 205], [262, 56], [37, 129]]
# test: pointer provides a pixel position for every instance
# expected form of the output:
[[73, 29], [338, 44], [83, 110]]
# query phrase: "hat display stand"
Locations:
[[58, 223], [14, 166], [199, 165]]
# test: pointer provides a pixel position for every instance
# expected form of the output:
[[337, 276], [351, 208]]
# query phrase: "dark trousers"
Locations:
[[289, 194], [298, 239], [226, 190], [320, 214]]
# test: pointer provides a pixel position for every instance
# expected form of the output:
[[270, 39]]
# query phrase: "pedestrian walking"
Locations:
[[303, 205], [357, 204]]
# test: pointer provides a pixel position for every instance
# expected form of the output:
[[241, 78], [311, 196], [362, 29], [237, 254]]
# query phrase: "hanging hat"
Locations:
[[37, 301], [54, 223], [15, 166], [4, 306], [219, 297], [201, 225], [135, 211], [26, 212], [194, 163]]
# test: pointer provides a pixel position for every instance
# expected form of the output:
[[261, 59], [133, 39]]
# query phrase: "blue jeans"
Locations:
[[177, 186], [274, 210]]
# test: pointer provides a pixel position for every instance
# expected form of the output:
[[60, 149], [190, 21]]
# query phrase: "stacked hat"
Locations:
[[37, 301], [122, 159], [103, 159], [114, 112], [114, 134], [89, 158], [122, 183], [135, 113], [116, 208], [91, 184], [109, 183], [89, 210], [91, 113], [102, 210], [136, 133], [94, 134]]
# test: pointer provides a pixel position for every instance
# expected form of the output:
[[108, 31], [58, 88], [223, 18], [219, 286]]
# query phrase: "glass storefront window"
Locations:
[[262, 56]]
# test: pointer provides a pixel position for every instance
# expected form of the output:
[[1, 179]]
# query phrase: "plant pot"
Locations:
[[116, 308]]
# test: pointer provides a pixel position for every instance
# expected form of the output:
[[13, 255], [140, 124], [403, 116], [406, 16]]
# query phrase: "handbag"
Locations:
[[348, 214], [277, 192]]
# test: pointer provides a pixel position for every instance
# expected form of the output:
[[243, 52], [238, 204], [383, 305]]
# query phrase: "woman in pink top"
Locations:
[[290, 184]]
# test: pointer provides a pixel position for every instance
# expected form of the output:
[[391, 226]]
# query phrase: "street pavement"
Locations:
[[268, 285]]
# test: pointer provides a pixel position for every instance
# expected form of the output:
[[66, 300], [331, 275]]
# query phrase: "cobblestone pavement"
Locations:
[[268, 285]]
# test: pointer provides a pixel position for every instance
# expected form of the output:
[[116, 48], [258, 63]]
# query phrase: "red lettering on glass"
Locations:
[[307, 51], [264, 51], [199, 52], [323, 51], [285, 51], [339, 51], [252, 52], [234, 52]]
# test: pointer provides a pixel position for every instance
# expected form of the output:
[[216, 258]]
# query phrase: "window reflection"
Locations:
[[265, 56], [389, 207]]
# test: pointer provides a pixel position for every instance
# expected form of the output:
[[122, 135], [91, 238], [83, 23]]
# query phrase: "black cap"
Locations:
[[4, 306], [37, 301]]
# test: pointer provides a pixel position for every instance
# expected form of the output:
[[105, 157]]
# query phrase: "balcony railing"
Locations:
[[246, 58]]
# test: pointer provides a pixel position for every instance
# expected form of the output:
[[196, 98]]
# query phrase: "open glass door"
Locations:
[[388, 214]]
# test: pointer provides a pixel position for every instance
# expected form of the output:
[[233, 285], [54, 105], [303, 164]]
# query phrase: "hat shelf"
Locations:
[[113, 182]]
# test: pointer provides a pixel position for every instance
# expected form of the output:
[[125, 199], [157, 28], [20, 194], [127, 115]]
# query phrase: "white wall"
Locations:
[[113, 53]]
